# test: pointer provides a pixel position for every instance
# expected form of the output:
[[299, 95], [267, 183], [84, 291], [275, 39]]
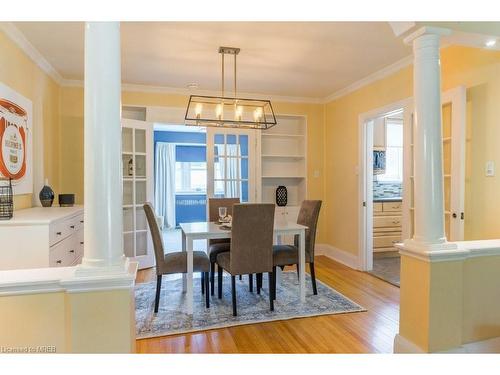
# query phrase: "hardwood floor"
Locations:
[[372, 331]]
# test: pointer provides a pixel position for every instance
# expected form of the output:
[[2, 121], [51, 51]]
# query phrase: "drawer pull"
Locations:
[[81, 243], [72, 251], [395, 241], [58, 233], [81, 221], [72, 226], [58, 261], [395, 222]]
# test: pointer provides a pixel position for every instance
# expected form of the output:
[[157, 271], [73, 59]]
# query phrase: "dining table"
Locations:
[[210, 230]]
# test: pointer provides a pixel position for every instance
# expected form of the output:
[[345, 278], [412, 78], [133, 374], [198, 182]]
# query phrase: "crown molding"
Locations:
[[378, 75], [20, 40]]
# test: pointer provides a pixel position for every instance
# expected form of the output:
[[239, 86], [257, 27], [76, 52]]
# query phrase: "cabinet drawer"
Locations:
[[386, 241], [377, 207], [386, 221], [64, 253], [59, 231], [391, 206]]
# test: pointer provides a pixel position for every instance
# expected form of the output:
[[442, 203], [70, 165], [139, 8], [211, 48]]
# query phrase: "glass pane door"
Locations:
[[230, 160], [137, 189]]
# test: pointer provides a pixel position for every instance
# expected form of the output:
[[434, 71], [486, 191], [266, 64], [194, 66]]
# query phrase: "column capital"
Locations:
[[426, 30]]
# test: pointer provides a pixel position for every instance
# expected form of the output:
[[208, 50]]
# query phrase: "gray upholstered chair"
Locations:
[[286, 255], [217, 246], [174, 262], [251, 246]]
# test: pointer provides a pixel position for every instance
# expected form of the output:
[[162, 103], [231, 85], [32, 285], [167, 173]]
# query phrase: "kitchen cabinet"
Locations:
[[387, 223]]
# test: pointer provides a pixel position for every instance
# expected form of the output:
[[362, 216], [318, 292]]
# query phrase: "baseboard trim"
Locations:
[[403, 345], [338, 255]]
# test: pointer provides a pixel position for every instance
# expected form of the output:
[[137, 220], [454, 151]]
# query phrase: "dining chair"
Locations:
[[175, 262], [251, 247], [217, 246], [287, 255]]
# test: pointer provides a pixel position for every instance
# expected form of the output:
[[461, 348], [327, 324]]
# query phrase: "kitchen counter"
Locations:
[[388, 199]]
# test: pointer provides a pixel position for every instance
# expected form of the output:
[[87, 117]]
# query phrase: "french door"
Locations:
[[453, 138], [137, 180], [231, 163]]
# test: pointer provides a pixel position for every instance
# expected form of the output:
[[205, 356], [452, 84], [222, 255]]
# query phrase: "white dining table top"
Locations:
[[205, 227]]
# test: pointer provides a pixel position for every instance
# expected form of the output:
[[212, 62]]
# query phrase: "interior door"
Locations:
[[137, 179], [231, 163], [453, 138]]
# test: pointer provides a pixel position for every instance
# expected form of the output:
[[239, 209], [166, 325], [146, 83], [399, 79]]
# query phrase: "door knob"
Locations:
[[454, 215]]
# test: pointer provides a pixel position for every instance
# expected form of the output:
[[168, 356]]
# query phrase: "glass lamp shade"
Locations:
[[229, 112]]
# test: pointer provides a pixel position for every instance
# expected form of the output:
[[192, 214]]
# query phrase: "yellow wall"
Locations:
[[20, 73], [447, 304], [479, 71], [72, 133], [81, 322]]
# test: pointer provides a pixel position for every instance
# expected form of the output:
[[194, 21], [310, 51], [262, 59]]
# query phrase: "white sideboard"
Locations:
[[42, 237]]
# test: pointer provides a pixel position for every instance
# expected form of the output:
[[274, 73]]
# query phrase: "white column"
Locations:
[[427, 141], [103, 246]]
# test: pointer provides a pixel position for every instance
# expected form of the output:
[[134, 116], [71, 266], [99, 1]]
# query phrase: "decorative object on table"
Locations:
[[281, 196], [66, 200], [46, 195], [15, 140], [131, 167], [6, 199], [229, 110], [222, 214], [378, 162]]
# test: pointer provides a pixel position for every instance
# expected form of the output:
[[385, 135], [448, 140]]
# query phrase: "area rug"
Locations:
[[252, 308]]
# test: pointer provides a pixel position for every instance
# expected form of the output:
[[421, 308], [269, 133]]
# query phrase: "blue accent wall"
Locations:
[[189, 208]]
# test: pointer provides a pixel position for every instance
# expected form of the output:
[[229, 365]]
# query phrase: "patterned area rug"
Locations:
[[252, 308]]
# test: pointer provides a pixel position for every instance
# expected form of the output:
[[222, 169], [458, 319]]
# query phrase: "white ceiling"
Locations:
[[302, 59]]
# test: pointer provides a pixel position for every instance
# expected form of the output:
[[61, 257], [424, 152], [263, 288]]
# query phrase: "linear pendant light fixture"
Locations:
[[229, 112]]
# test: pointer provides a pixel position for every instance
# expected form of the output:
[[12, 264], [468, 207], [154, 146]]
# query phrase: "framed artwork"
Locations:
[[16, 143]]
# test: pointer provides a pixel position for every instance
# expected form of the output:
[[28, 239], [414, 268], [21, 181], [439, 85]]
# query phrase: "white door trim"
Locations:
[[365, 192], [458, 99]]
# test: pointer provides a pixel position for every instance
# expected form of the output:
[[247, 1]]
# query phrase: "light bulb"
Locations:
[[257, 114], [238, 113], [491, 43], [197, 110], [218, 111]]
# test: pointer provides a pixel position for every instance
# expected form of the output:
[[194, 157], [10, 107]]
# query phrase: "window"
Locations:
[[190, 177], [393, 153]]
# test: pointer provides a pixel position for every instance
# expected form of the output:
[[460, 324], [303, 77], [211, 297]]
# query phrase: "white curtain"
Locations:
[[165, 182], [233, 172]]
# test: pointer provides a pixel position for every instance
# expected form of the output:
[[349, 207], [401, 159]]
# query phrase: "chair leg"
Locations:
[[274, 284], [219, 281], [250, 282], [313, 278], [259, 282], [207, 295], [212, 278], [241, 277], [203, 283], [271, 287], [233, 294], [298, 273], [158, 290]]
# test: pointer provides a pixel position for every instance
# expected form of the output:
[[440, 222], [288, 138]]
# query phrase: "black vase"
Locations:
[[281, 196], [46, 195]]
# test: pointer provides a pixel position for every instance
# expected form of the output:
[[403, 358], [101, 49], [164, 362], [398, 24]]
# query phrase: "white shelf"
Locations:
[[278, 177], [280, 135], [294, 157]]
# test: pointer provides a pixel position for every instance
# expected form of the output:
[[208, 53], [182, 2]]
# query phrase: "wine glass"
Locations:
[[222, 213]]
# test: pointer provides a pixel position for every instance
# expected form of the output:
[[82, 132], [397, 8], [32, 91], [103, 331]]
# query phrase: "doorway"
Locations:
[[379, 219]]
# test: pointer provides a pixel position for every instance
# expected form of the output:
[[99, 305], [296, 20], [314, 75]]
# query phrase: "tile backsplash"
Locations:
[[387, 189]]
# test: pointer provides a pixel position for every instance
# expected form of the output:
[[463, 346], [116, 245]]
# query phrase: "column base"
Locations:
[[98, 267], [431, 252]]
